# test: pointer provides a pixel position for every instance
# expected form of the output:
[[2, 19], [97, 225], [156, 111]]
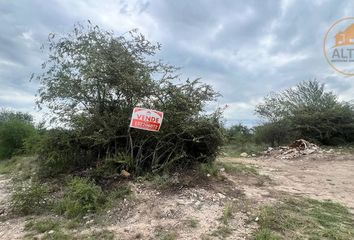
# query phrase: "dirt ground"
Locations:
[[318, 176], [197, 212]]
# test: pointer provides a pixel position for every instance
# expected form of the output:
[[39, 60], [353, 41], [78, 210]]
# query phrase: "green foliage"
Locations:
[[239, 134], [30, 197], [61, 151], [6, 116], [241, 139], [274, 133], [227, 213], [112, 166], [238, 168], [15, 128], [56, 235], [209, 168], [20, 166], [92, 81], [8, 166], [266, 234], [81, 197], [306, 111], [302, 218], [117, 195], [234, 149], [43, 225]]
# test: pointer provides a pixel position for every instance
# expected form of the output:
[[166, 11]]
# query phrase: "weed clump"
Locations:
[[30, 197], [302, 218], [82, 197]]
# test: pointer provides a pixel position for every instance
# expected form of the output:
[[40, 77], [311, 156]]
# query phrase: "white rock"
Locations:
[[222, 196], [244, 154]]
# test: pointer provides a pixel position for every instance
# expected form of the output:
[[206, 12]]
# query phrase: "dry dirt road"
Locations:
[[319, 176]]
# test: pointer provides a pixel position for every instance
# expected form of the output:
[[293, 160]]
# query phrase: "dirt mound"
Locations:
[[294, 150]]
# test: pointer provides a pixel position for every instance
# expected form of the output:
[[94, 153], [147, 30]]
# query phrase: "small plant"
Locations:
[[42, 226], [118, 194], [165, 234], [82, 197], [209, 169], [102, 235], [29, 197], [222, 231], [193, 223], [266, 234], [227, 213], [303, 218], [238, 168], [56, 235]]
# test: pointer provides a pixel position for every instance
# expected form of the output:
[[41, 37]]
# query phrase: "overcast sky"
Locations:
[[245, 49]]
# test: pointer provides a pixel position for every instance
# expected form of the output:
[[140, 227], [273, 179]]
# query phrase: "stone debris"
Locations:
[[244, 154], [296, 149]]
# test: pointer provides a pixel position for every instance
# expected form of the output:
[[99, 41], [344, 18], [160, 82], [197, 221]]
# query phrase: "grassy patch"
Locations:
[[266, 234], [42, 226], [303, 218], [227, 213], [209, 169], [7, 166], [118, 194], [30, 197], [214, 168], [234, 150], [24, 165], [82, 197], [237, 168], [57, 235]]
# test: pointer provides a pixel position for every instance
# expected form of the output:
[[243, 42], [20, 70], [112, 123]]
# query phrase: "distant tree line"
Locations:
[[305, 111], [17, 133]]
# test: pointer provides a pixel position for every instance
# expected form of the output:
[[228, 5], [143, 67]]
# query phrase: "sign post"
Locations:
[[146, 119]]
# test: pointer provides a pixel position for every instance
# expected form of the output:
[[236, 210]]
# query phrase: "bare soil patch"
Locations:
[[319, 176]]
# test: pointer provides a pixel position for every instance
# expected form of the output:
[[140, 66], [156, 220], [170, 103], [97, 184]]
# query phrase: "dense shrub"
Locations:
[[274, 133], [306, 111], [81, 197], [93, 80], [15, 129]]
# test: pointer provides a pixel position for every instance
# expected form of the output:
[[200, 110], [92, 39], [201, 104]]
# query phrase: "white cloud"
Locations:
[[244, 49]]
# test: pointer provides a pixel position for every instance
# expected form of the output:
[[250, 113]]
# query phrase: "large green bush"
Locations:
[[306, 111], [30, 197], [93, 80], [15, 128]]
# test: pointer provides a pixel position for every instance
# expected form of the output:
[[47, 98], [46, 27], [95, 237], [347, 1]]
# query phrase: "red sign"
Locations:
[[146, 119]]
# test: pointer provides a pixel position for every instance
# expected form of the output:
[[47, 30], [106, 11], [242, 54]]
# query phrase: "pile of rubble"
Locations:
[[296, 149]]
